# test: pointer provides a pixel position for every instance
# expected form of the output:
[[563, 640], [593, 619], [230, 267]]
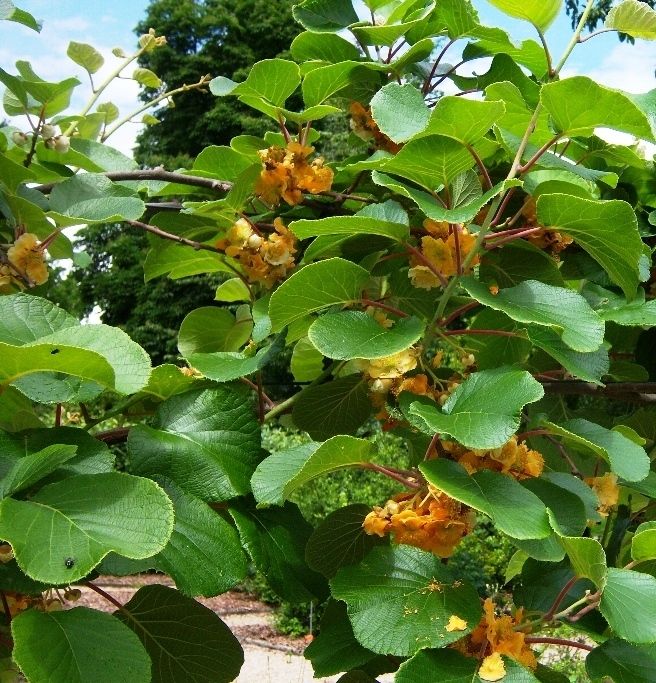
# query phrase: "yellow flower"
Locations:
[[607, 491], [456, 624], [423, 277], [27, 259], [492, 668], [393, 366]]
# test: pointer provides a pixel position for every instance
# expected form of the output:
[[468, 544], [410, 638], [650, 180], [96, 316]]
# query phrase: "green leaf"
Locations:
[[146, 77], [394, 583], [210, 329], [93, 198], [590, 367], [86, 56], [314, 287], [33, 467], [77, 646], [232, 290], [483, 412], [624, 662], [491, 41], [626, 458], [225, 366], [514, 509], [629, 605], [588, 559], [636, 313], [466, 121], [578, 105], [179, 261], [541, 13], [449, 666], [335, 649], [281, 474], [83, 519], [324, 47], [204, 555], [275, 539], [431, 161], [205, 651], [325, 15], [10, 12], [643, 543], [25, 318], [306, 363], [366, 337], [222, 163], [400, 111], [560, 309], [274, 80], [387, 220], [635, 18], [353, 80], [463, 213], [336, 407], [596, 226], [340, 540], [206, 441]]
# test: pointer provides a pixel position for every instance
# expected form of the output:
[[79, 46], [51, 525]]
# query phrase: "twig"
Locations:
[[410, 482], [426, 87], [58, 415], [385, 307], [459, 312], [559, 598], [175, 238], [111, 436], [481, 167], [107, 596], [558, 641]]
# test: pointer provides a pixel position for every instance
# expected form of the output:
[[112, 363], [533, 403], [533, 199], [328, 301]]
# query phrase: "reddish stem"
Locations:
[[392, 474], [458, 312], [534, 432], [58, 415], [107, 596], [384, 307], [428, 80], [558, 641], [503, 206], [522, 233], [561, 596], [260, 398], [481, 167], [254, 387], [5, 607], [536, 157]]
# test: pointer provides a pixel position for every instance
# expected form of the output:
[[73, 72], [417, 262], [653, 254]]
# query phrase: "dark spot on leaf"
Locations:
[[69, 562], [54, 352]]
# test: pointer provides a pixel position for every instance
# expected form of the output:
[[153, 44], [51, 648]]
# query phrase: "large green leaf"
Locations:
[[558, 308], [578, 105], [643, 543], [431, 161], [210, 329], [393, 583], [335, 649], [323, 47], [340, 540], [178, 261], [400, 111], [10, 12], [540, 13], [61, 533], [449, 666], [466, 121], [622, 661], [337, 407], [77, 646], [275, 539], [626, 458], [94, 198], [629, 605], [514, 509], [314, 287], [203, 555], [86, 56], [204, 651], [633, 17], [607, 230], [33, 467], [386, 220], [325, 15], [483, 412], [366, 337], [588, 559], [206, 441], [278, 476]]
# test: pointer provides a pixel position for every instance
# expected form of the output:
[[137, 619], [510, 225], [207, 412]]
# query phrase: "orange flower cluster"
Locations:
[[439, 249], [549, 240], [26, 264], [607, 491], [266, 260], [514, 459], [287, 174], [363, 125], [495, 636], [429, 520]]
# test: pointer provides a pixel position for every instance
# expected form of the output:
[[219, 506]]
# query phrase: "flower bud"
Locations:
[[254, 241], [119, 52], [19, 139], [72, 594], [53, 605], [48, 131], [6, 553], [62, 144]]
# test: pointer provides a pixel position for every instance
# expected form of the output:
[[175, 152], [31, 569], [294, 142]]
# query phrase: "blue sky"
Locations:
[[109, 23]]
